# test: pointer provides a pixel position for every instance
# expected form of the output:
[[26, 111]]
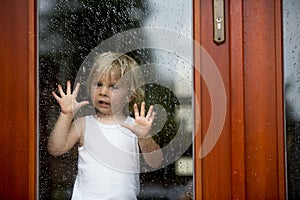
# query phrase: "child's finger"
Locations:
[[143, 110], [83, 103], [61, 92], [76, 90], [68, 87], [136, 111], [153, 116], [55, 96], [150, 111]]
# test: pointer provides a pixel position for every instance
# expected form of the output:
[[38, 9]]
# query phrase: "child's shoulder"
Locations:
[[81, 121]]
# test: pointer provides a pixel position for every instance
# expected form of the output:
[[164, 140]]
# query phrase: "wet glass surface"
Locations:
[[68, 31], [291, 32]]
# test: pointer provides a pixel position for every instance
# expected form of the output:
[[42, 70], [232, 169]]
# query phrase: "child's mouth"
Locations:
[[103, 103]]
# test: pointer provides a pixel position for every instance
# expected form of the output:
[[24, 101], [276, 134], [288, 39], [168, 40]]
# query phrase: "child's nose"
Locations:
[[104, 91]]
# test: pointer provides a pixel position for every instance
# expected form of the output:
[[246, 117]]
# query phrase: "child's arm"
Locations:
[[65, 133], [151, 151], [142, 126]]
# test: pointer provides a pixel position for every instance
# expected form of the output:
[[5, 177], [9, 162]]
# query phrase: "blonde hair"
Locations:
[[128, 67]]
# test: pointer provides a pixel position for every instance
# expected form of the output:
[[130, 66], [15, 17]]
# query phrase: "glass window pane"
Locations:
[[291, 32], [158, 35]]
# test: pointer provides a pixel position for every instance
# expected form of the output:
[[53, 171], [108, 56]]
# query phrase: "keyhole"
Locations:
[[219, 22]]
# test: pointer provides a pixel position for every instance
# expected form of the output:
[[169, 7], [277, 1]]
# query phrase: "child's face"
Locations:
[[109, 95]]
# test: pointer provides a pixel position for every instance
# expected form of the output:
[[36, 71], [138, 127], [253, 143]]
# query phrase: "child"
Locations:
[[108, 161]]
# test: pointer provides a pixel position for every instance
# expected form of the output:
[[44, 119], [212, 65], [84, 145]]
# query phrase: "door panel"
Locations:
[[263, 100], [248, 160]]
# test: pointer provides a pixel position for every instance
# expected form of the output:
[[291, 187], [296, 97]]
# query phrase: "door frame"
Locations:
[[18, 144], [253, 136]]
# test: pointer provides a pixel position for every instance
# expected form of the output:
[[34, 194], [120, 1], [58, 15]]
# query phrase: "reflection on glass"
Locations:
[[68, 31], [291, 11]]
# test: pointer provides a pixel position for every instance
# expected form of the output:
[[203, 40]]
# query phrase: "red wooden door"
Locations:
[[18, 102], [248, 160]]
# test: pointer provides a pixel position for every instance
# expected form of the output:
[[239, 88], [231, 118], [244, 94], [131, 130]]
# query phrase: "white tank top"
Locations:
[[108, 163]]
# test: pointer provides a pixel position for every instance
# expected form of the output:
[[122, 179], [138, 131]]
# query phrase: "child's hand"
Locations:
[[142, 124], [67, 102]]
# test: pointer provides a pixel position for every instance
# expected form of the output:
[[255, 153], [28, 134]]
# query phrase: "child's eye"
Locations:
[[98, 84], [114, 87]]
